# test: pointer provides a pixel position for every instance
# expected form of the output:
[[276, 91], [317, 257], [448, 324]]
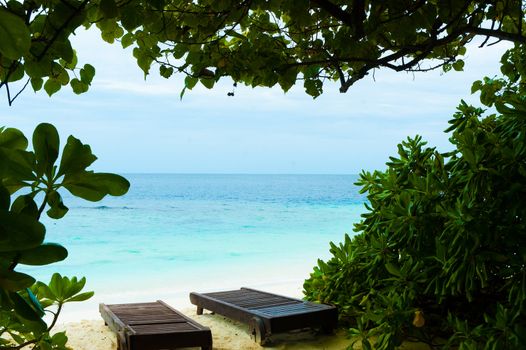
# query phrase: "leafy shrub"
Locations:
[[24, 301], [440, 254]]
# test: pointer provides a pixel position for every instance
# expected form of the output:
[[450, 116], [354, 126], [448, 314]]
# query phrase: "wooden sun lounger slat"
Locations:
[[266, 313], [154, 326]]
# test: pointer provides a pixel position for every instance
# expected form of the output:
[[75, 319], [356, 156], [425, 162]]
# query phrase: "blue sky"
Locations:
[[142, 126]]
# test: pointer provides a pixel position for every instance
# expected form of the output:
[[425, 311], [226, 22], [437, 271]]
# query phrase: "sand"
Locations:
[[227, 335]]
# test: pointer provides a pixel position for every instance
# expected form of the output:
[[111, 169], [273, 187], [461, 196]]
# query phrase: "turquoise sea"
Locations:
[[172, 233]]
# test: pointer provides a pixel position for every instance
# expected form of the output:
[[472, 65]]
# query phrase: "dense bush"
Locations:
[[440, 253], [30, 183]]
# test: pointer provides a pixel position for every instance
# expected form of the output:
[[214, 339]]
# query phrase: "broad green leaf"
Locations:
[[76, 157], [43, 291], [57, 285], [72, 64], [23, 309], [16, 74], [207, 82], [190, 82], [44, 344], [60, 339], [35, 304], [64, 50], [458, 65], [94, 186], [15, 281], [131, 18], [36, 83], [78, 86], [87, 73], [166, 72], [179, 50], [13, 139], [52, 86], [46, 144], [393, 269], [19, 232], [57, 208], [109, 8], [81, 297], [127, 40], [25, 204], [15, 37], [44, 254], [75, 286]]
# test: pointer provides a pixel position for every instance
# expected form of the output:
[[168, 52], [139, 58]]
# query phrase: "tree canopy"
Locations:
[[255, 42]]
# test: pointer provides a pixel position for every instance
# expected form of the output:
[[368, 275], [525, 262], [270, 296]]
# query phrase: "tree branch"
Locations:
[[59, 30], [335, 11], [499, 34]]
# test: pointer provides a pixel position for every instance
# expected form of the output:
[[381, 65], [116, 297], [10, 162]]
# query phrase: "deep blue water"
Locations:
[[187, 227]]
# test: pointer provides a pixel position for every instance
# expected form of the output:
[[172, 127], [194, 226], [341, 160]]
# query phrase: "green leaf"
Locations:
[[190, 82], [60, 339], [179, 50], [393, 269], [52, 86], [23, 309], [76, 157], [57, 208], [81, 297], [44, 292], [13, 139], [78, 86], [35, 304], [25, 204], [75, 286], [72, 64], [15, 281], [16, 166], [109, 8], [19, 232], [36, 84], [131, 18], [46, 144], [94, 186], [87, 73], [44, 254], [57, 285], [458, 65], [166, 72], [127, 40], [15, 37], [207, 82]]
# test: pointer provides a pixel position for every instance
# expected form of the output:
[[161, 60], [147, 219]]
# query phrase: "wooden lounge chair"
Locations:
[[154, 326], [267, 313]]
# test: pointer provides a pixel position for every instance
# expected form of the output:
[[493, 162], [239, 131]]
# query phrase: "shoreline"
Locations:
[[177, 297]]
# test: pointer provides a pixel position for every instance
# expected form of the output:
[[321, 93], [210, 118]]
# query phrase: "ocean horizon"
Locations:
[[176, 233]]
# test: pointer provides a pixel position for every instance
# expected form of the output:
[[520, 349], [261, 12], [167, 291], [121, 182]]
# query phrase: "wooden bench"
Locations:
[[267, 313], [154, 326]]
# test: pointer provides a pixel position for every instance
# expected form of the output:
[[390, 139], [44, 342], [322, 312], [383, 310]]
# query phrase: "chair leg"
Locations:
[[199, 310]]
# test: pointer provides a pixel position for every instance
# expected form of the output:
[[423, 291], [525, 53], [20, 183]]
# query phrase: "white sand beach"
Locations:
[[86, 330], [227, 335]]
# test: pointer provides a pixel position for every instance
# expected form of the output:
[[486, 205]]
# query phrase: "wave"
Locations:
[[105, 207]]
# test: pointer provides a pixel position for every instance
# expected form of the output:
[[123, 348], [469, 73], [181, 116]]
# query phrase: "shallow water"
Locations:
[[174, 231]]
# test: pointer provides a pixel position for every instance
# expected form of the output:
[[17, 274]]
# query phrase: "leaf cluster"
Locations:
[[255, 42], [440, 252], [28, 177]]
